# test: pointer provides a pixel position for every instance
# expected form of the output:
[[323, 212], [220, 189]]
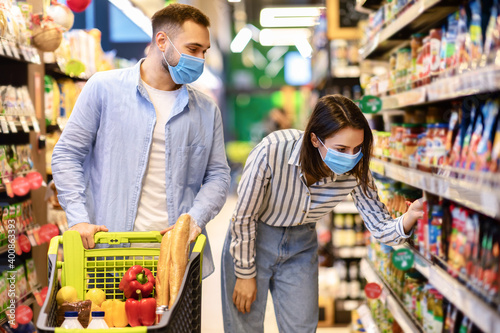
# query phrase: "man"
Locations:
[[140, 142]]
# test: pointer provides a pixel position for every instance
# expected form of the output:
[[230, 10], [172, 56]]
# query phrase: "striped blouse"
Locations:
[[273, 190]]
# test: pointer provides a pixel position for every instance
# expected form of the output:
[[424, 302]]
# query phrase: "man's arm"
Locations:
[[68, 157], [212, 195]]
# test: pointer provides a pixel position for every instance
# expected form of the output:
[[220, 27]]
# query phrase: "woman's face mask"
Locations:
[[338, 162]]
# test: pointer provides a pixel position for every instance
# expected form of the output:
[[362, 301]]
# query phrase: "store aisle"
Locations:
[[211, 301]]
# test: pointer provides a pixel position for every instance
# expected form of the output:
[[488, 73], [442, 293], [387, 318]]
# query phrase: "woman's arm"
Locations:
[[378, 220], [251, 191]]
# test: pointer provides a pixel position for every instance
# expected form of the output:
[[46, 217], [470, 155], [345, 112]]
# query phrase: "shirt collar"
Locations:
[[182, 98]]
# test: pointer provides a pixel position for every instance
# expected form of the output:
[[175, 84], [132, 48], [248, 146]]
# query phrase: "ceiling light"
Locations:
[[241, 40], [284, 37], [290, 16], [304, 48]]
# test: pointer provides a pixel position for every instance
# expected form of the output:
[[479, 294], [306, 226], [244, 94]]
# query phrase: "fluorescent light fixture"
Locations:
[[241, 40], [274, 68], [304, 48], [255, 31], [290, 16], [276, 52], [284, 36], [135, 15]]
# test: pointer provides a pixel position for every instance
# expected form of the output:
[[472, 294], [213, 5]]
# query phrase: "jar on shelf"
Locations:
[[410, 141], [402, 68]]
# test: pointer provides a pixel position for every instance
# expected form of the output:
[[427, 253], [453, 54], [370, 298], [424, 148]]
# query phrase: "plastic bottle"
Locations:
[[71, 320], [98, 321]]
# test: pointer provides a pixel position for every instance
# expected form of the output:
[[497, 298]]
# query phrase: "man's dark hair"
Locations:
[[171, 18]]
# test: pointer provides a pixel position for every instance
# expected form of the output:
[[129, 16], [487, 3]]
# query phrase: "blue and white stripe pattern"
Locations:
[[274, 190]]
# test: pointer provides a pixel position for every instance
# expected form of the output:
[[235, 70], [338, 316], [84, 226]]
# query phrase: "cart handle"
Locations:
[[115, 238]]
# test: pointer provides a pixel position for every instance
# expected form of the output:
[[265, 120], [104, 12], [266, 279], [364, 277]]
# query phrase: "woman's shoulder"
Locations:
[[283, 136]]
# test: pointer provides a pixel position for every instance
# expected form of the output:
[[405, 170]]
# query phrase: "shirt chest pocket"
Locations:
[[191, 164]]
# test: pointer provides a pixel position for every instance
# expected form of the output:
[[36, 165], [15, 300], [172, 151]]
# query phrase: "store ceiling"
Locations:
[[252, 7]]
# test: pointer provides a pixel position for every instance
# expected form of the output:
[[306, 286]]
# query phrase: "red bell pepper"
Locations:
[[141, 312], [137, 278]]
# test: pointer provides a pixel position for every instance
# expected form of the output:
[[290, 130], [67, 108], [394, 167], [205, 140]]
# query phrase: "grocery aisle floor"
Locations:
[[211, 301]]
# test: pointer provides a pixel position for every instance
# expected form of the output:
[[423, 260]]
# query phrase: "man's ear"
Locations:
[[161, 40], [314, 140]]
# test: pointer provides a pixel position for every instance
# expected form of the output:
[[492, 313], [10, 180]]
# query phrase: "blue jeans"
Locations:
[[287, 265]]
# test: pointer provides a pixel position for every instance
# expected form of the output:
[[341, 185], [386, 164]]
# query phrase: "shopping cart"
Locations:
[[104, 267]]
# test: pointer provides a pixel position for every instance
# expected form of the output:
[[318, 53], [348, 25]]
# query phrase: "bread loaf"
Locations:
[[162, 272], [179, 248]]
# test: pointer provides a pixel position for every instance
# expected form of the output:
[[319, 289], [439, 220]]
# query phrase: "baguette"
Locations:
[[179, 251], [162, 273]]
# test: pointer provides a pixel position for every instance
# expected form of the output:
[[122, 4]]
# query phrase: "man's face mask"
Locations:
[[187, 70]]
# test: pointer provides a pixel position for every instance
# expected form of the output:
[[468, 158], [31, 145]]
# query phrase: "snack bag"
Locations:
[[451, 40], [467, 137], [21, 282], [462, 53], [476, 34], [484, 147], [471, 159], [495, 150], [31, 273], [492, 38]]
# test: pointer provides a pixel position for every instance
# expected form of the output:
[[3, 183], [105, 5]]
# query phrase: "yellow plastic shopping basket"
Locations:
[[104, 267]]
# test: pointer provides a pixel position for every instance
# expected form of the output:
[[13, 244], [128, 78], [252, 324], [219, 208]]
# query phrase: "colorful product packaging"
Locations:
[[484, 147]]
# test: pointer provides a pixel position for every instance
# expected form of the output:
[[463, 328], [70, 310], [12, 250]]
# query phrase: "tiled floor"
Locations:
[[212, 309]]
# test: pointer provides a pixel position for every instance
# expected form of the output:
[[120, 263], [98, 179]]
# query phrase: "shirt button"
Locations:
[[233, 219], [304, 211], [300, 223], [308, 194]]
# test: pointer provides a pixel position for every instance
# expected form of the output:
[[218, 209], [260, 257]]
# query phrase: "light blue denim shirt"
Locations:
[[100, 160]]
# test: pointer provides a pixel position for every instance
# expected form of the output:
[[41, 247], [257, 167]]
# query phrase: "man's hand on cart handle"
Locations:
[[87, 232], [194, 231]]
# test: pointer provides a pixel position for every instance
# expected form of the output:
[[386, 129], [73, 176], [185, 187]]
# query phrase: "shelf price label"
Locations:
[[373, 290], [370, 104], [403, 259]]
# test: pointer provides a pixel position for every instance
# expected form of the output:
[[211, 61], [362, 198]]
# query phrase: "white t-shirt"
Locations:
[[152, 211]]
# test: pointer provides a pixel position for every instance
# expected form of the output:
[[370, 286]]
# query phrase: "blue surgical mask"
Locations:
[[187, 70], [338, 162]]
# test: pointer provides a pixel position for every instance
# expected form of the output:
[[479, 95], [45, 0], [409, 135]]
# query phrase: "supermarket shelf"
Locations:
[[484, 80], [408, 98], [355, 252], [346, 207], [481, 198], [367, 320], [407, 323], [482, 314], [419, 17], [53, 69], [365, 6], [22, 53], [480, 81]]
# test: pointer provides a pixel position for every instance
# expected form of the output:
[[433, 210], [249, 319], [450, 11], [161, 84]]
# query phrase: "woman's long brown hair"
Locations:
[[331, 114]]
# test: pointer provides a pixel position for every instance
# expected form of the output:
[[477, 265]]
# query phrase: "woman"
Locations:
[[291, 180]]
